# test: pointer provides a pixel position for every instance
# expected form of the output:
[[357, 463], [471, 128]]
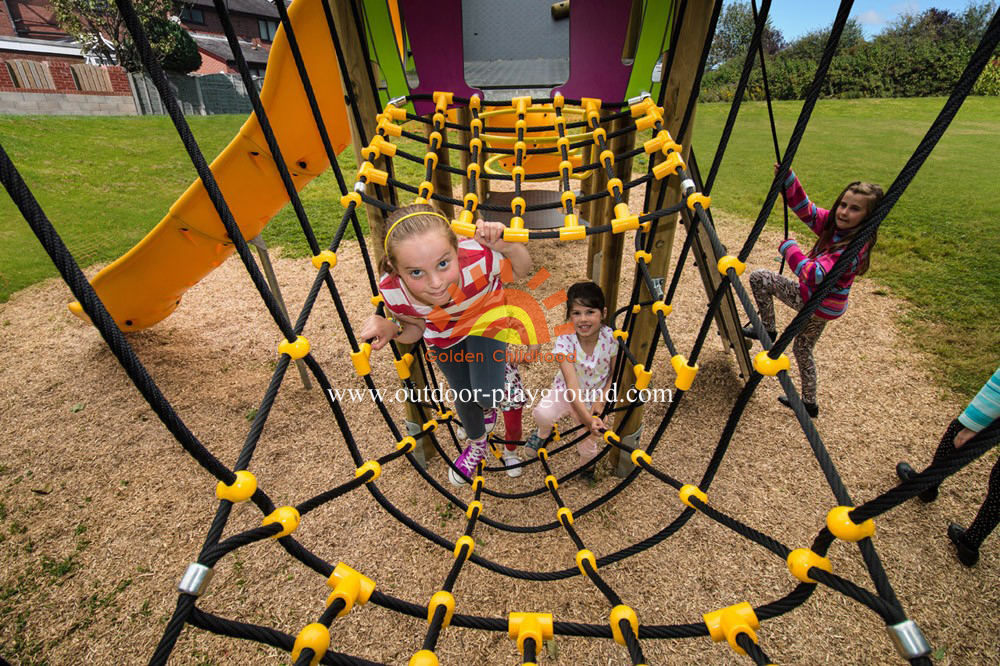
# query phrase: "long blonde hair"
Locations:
[[415, 224]]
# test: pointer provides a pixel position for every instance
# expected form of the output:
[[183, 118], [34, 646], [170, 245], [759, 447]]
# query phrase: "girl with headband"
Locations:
[[437, 288]]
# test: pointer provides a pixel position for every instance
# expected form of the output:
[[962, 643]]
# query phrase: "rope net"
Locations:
[[543, 132]]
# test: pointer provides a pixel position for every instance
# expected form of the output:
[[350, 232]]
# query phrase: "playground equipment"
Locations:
[[639, 335]]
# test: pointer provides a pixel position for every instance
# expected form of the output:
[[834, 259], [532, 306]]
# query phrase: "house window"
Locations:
[[192, 15], [267, 29]]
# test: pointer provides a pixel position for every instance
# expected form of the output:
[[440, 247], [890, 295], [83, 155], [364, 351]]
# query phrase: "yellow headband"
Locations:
[[407, 216]]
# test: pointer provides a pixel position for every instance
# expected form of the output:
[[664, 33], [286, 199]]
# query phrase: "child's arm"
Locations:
[[814, 216], [598, 405], [380, 330], [583, 414], [490, 234], [810, 270]]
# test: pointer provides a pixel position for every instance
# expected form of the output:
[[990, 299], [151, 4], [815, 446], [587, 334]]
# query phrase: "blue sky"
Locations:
[[797, 17]]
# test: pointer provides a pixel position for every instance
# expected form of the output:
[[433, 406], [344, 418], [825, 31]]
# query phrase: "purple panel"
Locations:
[[596, 37], [434, 28]]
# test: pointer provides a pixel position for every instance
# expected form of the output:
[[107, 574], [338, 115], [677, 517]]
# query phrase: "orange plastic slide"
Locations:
[[145, 285]]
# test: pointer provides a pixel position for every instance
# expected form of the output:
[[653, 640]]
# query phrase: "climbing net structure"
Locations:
[[532, 119]]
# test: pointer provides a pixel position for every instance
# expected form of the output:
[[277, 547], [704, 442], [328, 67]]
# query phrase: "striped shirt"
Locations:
[[812, 270], [985, 407], [482, 272]]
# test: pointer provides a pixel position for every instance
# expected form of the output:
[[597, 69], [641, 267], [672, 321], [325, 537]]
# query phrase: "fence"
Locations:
[[197, 95]]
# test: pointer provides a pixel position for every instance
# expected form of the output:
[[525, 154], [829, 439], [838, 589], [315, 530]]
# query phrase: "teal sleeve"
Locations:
[[985, 407]]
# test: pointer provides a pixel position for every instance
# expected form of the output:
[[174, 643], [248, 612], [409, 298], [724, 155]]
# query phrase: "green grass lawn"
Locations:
[[105, 182]]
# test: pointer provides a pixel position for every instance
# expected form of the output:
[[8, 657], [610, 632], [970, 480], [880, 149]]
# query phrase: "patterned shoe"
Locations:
[[533, 443], [468, 461], [490, 419], [510, 458]]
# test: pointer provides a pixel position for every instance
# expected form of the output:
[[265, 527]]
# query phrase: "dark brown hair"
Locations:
[[587, 294], [414, 225], [825, 242]]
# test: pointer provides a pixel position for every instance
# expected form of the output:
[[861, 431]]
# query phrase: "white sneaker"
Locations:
[[468, 460], [511, 458]]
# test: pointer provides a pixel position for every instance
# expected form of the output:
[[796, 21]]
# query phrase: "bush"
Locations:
[[174, 47], [989, 80]]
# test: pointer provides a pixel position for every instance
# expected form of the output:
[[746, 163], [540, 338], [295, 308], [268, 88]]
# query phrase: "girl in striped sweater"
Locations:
[[835, 228]]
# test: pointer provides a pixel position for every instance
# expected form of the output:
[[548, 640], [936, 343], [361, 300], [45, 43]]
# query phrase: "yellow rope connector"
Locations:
[[324, 257], [391, 129], [551, 482], [623, 220], [239, 490], [543, 453], [642, 376], [423, 658], [478, 483], [669, 166], [590, 103], [729, 261], [643, 256], [430, 425], [600, 135], [464, 540], [426, 188], [384, 147], [314, 636], [375, 300], [639, 108], [728, 623], [618, 333], [408, 443], [564, 515], [611, 435], [569, 196], [636, 308], [639, 454], [471, 201], [558, 101], [441, 598], [685, 373], [565, 168], [585, 556], [372, 175], [475, 509], [475, 102], [465, 226], [698, 198], [523, 626], [839, 522], [687, 490], [295, 350], [372, 466], [362, 365], [394, 112], [287, 516], [434, 140], [518, 171], [801, 560], [444, 99], [513, 235], [606, 157], [768, 366], [619, 613], [648, 121], [403, 366], [660, 306], [349, 197], [615, 183], [350, 586], [572, 230]]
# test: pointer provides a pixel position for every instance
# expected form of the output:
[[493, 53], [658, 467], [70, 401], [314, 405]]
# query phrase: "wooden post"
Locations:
[[442, 178], [678, 91], [596, 211], [613, 244]]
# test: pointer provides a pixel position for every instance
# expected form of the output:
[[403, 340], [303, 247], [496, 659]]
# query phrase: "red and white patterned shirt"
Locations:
[[482, 272]]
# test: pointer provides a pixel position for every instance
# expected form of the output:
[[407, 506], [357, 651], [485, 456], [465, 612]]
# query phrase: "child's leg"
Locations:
[[589, 445], [803, 350], [512, 427], [548, 412], [469, 411], [765, 285], [989, 513], [487, 376]]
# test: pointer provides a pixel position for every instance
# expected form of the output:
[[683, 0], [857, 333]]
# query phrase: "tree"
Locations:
[[734, 31], [98, 26], [811, 45]]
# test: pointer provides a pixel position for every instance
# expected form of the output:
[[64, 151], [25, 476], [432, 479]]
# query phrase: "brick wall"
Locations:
[[39, 57], [66, 98], [210, 64], [64, 82]]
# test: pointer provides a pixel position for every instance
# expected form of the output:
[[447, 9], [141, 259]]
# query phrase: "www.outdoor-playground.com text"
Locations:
[[498, 396]]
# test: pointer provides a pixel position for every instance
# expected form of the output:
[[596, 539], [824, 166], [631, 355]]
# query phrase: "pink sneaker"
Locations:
[[468, 461], [490, 419]]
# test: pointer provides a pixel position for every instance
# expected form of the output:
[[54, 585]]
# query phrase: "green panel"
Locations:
[[382, 44], [654, 36]]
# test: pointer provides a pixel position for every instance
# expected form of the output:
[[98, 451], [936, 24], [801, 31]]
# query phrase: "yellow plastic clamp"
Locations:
[[475, 102], [623, 221], [464, 540], [585, 556], [478, 483], [600, 135], [636, 308], [372, 175], [423, 658], [443, 99], [687, 490], [471, 201], [642, 376], [685, 372], [349, 585], [403, 366], [558, 101], [523, 626], [653, 145], [619, 613], [590, 103], [372, 466], [430, 425], [669, 166], [517, 222], [620, 334], [564, 515], [438, 120], [431, 158], [518, 202], [476, 125], [728, 623], [729, 261], [325, 257], [543, 453], [648, 121], [512, 235], [441, 598], [660, 306], [362, 366], [384, 147], [568, 197], [521, 104], [644, 256], [370, 153], [639, 454], [670, 146], [565, 168], [572, 230], [473, 145], [376, 300], [434, 140], [473, 505], [314, 636], [520, 149], [611, 435], [801, 560], [639, 108], [391, 129], [426, 189], [560, 123], [288, 516], [349, 197], [239, 490], [607, 155], [593, 117], [551, 482], [394, 113], [296, 350], [839, 522], [408, 443], [464, 226], [768, 366], [444, 416], [698, 198], [615, 183], [562, 143]]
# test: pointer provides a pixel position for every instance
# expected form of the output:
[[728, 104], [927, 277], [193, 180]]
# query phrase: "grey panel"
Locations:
[[512, 30], [539, 73], [551, 218]]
